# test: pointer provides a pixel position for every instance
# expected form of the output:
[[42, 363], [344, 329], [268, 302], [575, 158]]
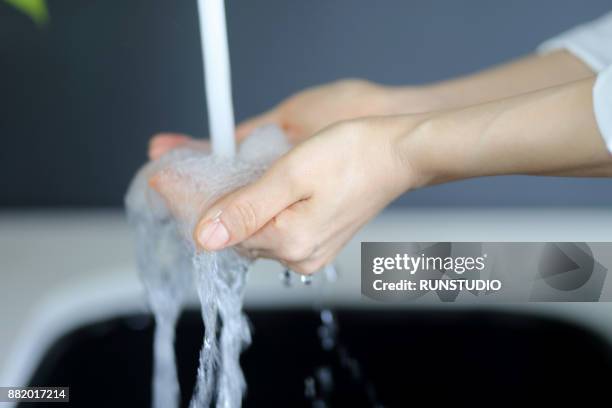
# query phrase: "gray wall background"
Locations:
[[80, 97]]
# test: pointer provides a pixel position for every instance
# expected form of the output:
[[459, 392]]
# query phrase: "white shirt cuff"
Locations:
[[591, 42], [602, 105]]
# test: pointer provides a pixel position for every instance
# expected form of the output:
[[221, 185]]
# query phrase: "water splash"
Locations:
[[221, 283], [186, 183]]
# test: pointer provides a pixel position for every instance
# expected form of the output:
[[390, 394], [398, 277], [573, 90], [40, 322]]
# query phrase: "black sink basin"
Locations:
[[482, 358]]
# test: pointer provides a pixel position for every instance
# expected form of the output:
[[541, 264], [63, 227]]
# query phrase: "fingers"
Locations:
[[293, 239], [248, 126], [323, 256], [286, 235], [162, 143], [240, 214]]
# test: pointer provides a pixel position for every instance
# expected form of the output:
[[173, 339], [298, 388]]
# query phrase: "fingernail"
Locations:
[[214, 235]]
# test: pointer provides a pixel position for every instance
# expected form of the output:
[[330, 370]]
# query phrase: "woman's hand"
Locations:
[[309, 203], [308, 111]]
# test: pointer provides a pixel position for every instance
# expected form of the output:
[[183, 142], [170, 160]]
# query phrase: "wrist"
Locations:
[[406, 140], [428, 150]]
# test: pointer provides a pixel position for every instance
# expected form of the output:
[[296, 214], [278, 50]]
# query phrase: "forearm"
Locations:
[[547, 132], [526, 74]]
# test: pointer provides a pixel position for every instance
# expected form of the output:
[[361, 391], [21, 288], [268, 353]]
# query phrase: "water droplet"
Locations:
[[327, 317], [327, 336], [326, 379], [331, 273], [327, 343], [310, 389], [354, 369], [319, 404]]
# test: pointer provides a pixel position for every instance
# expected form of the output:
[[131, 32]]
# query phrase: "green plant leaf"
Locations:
[[35, 9]]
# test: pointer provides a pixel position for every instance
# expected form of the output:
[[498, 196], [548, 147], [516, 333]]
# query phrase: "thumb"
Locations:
[[240, 214]]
